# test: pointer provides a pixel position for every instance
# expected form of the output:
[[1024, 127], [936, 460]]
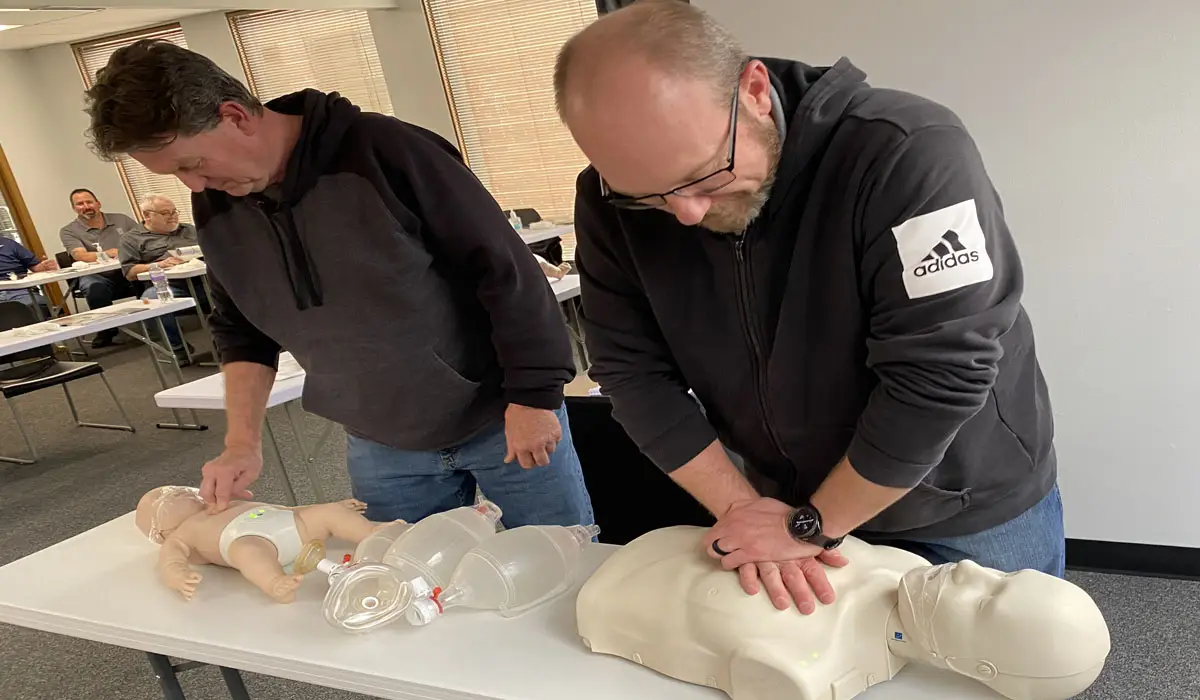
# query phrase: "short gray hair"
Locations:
[[152, 92], [673, 36], [148, 201]]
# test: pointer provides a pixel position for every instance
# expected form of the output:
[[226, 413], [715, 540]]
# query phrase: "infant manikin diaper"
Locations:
[[276, 525]]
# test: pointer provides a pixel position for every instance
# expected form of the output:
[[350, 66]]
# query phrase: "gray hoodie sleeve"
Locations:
[[943, 280]]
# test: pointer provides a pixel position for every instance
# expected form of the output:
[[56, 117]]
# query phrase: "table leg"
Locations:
[[575, 328], [203, 320], [310, 467], [233, 681], [154, 349], [283, 475], [167, 680]]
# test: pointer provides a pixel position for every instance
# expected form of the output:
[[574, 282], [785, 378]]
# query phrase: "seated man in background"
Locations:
[[16, 258], [79, 238], [152, 243]]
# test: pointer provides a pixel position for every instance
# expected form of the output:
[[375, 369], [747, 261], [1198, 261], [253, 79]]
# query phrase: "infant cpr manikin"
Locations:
[[272, 546], [660, 601]]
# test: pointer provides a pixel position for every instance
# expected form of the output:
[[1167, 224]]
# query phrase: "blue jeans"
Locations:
[[1032, 540], [170, 325], [22, 295], [409, 485]]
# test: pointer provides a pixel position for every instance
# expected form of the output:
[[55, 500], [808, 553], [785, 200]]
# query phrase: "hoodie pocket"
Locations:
[[924, 505]]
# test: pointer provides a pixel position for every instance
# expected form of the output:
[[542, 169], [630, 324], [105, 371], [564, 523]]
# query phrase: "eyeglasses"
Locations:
[[706, 185], [172, 212]]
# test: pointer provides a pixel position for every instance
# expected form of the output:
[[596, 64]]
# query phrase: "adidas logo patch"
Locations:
[[943, 250], [947, 254]]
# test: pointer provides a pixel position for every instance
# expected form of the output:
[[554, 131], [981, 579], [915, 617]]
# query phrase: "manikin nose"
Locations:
[[689, 210]]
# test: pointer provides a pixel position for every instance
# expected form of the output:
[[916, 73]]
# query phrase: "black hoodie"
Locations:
[[391, 274], [872, 311]]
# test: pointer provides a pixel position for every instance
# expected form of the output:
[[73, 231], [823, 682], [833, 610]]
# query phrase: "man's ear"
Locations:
[[756, 84]]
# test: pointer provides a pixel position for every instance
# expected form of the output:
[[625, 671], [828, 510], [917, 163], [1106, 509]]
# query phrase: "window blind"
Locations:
[[497, 61], [139, 182], [331, 50]]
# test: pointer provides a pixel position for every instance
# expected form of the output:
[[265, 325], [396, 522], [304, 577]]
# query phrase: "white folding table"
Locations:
[[121, 316], [45, 279], [566, 292], [188, 272], [531, 236], [101, 585], [209, 394]]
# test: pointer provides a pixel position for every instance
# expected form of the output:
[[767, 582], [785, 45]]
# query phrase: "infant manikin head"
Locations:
[[1026, 635], [163, 509]]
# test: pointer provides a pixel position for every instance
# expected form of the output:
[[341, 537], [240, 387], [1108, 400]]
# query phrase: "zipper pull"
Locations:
[[737, 248]]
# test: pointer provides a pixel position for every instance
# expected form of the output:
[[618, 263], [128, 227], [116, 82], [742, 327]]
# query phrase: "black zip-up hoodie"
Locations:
[[872, 311], [386, 268]]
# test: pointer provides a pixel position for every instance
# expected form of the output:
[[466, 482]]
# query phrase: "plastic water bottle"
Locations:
[[515, 221], [101, 256], [158, 278]]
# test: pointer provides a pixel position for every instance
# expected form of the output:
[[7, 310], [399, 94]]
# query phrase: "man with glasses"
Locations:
[[826, 265], [152, 243]]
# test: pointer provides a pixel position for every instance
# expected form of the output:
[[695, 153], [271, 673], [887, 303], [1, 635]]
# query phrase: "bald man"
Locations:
[[826, 265]]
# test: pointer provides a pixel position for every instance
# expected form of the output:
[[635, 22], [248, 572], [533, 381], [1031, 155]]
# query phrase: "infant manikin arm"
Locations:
[[173, 567]]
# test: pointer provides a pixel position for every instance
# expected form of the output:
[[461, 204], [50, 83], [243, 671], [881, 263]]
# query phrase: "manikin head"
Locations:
[[163, 509], [85, 204], [159, 214], [177, 113], [1027, 635], [650, 93]]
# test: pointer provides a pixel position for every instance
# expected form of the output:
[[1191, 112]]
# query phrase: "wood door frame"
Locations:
[[21, 216]]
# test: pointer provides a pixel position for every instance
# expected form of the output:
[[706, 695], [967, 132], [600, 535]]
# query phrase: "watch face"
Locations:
[[804, 523]]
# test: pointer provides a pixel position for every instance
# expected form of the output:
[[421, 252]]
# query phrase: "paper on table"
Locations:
[[288, 368], [91, 316], [32, 330]]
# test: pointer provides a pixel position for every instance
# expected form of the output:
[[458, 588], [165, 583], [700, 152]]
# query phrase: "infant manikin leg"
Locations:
[[258, 560]]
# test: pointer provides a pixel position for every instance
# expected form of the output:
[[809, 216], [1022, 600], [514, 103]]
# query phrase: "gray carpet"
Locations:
[[87, 477]]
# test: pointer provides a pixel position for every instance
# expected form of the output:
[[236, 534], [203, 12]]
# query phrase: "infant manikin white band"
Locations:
[[276, 525], [166, 495]]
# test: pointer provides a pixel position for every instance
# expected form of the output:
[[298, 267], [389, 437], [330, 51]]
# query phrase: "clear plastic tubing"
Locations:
[[511, 572]]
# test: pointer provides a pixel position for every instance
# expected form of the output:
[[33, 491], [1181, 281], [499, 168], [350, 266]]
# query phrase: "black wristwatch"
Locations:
[[804, 525]]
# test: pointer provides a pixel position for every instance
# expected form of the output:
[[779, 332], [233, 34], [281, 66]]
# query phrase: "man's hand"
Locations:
[[170, 262], [532, 433], [228, 476], [752, 537], [112, 253], [45, 266]]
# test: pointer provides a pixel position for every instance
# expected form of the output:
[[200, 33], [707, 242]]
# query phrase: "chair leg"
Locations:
[[128, 427], [28, 443]]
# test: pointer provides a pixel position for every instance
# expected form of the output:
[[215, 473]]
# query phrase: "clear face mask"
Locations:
[[924, 604], [167, 497]]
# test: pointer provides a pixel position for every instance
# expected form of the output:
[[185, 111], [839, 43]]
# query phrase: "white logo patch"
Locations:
[[943, 250]]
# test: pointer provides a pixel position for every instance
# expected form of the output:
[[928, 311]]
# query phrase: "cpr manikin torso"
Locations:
[[260, 540], [662, 602]]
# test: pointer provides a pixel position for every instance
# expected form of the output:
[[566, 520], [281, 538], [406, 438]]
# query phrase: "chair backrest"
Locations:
[[64, 259], [14, 314], [528, 216], [630, 495]]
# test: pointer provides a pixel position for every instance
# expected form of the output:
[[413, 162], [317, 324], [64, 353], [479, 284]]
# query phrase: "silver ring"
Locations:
[[716, 548]]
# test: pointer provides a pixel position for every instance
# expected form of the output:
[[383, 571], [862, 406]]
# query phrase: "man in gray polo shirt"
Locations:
[[152, 243], [79, 238]]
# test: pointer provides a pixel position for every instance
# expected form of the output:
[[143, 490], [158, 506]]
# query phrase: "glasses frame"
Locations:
[[656, 201]]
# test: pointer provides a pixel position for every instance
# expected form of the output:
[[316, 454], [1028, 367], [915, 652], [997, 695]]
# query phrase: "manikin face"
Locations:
[[230, 157], [648, 134], [85, 205], [163, 509], [1017, 632]]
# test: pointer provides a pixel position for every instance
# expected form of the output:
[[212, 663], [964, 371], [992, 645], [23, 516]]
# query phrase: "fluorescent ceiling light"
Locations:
[[9, 26]]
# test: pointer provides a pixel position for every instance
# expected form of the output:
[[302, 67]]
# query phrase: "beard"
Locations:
[[733, 213]]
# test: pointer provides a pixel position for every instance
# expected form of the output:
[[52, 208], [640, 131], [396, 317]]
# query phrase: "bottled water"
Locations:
[[158, 278], [515, 221], [101, 256]]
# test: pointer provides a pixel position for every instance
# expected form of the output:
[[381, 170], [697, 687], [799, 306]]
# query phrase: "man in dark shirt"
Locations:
[[827, 266], [366, 247], [152, 243], [16, 259], [80, 237]]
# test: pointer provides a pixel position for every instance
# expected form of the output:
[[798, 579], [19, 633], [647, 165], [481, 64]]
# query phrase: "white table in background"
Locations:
[[209, 394], [531, 236], [101, 585], [188, 272], [566, 292], [119, 316], [45, 279]]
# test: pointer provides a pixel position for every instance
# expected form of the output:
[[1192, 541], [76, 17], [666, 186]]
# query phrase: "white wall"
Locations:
[[209, 35], [1087, 115], [410, 67]]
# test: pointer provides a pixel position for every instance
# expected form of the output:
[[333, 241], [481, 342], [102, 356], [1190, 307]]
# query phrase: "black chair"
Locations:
[[630, 495], [36, 369], [551, 248]]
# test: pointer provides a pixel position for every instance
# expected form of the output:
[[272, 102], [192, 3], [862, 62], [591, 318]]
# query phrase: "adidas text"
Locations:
[[946, 262]]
